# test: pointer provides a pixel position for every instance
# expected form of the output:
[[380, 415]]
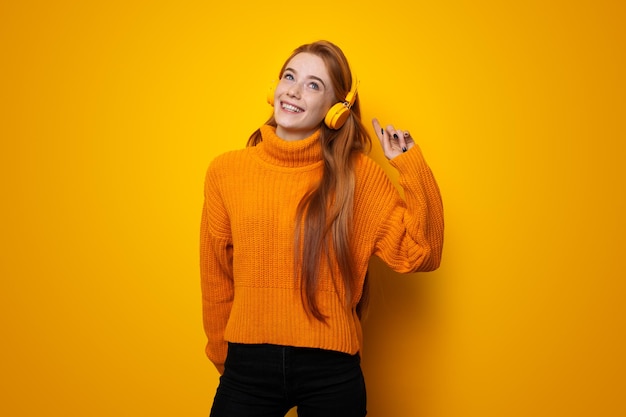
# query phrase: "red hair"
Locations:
[[325, 212]]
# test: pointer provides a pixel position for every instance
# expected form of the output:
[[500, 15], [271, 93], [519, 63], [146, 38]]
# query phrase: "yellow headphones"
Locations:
[[338, 113]]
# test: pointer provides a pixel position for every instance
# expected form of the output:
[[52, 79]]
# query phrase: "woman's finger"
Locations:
[[382, 136], [410, 142], [399, 135]]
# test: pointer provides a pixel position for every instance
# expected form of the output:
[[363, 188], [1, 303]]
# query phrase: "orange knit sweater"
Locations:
[[249, 291]]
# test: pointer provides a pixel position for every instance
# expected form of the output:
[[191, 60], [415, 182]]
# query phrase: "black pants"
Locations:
[[268, 380]]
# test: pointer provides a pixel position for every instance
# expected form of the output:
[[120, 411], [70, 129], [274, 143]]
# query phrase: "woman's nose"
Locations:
[[294, 90]]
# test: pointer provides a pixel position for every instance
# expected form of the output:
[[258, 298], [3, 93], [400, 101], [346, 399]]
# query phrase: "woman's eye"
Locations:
[[314, 86], [288, 77]]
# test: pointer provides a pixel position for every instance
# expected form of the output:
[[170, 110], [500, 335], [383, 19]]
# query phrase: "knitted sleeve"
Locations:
[[216, 272], [409, 231]]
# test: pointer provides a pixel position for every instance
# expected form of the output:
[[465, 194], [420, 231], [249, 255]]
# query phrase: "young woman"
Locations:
[[288, 227]]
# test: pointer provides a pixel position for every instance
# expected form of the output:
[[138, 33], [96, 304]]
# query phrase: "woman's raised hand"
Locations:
[[393, 141]]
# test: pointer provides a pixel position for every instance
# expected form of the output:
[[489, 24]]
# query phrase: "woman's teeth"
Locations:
[[292, 108]]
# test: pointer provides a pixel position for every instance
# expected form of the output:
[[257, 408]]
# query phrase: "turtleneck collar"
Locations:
[[288, 154]]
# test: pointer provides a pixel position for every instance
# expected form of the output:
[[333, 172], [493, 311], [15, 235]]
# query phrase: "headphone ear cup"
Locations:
[[270, 93], [337, 116]]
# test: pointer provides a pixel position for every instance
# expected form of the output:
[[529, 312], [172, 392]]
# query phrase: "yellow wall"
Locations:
[[111, 111]]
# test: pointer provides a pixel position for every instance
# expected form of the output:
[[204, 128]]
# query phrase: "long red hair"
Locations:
[[325, 212]]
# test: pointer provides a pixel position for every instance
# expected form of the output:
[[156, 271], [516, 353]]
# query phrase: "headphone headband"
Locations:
[[339, 113], [351, 96]]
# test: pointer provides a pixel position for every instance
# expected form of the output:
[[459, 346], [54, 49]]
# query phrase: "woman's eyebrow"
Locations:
[[318, 79], [310, 76]]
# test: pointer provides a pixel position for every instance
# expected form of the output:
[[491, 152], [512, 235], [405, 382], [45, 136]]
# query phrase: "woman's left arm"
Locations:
[[416, 230]]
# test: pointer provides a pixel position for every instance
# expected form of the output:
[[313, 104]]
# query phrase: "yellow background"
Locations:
[[111, 112]]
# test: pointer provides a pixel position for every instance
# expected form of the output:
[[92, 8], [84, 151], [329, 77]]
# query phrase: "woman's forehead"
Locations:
[[306, 64]]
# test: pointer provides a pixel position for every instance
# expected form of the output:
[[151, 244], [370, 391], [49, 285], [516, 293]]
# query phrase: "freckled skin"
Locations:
[[306, 85]]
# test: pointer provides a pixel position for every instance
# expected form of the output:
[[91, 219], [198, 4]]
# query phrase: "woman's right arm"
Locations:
[[216, 271]]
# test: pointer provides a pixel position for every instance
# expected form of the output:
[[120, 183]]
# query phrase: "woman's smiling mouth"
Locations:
[[291, 107]]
